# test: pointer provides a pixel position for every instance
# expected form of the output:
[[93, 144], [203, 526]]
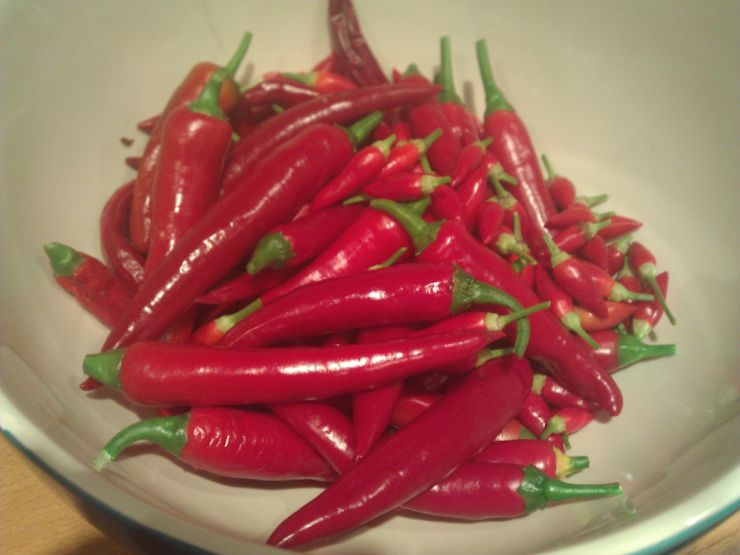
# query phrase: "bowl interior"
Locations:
[[634, 100]]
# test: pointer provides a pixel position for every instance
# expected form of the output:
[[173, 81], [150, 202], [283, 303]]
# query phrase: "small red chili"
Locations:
[[648, 314], [534, 413], [404, 187], [573, 215], [609, 288], [471, 157], [322, 80], [533, 452], [556, 395], [619, 226], [567, 421], [616, 314], [406, 153], [618, 350], [643, 261], [574, 237], [596, 252], [446, 204], [615, 253]]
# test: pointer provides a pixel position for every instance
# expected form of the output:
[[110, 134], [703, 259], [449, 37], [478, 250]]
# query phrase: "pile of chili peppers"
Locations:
[[331, 275]]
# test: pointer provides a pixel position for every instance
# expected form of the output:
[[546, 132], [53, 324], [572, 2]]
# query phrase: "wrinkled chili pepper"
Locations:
[[294, 243], [158, 374], [226, 442], [647, 315], [618, 350], [533, 452], [420, 454], [502, 491], [569, 361], [403, 187], [186, 92], [616, 313], [561, 304], [570, 274], [401, 294], [288, 178], [126, 262], [95, 287], [567, 421], [334, 108], [643, 261], [353, 55], [555, 394], [513, 147], [363, 168], [194, 142]]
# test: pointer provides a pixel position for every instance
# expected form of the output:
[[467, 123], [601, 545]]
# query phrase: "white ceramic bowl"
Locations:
[[635, 99]]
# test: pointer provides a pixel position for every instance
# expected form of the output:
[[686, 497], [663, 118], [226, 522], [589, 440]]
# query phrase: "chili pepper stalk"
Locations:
[[642, 260], [618, 350]]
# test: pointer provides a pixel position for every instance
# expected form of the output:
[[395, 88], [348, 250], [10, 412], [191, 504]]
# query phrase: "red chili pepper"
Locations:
[[353, 55], [567, 421], [496, 175], [406, 153], [404, 186], [334, 108], [186, 93], [643, 261], [158, 374], [402, 132], [618, 350], [472, 192], [294, 243], [403, 294], [501, 491], [363, 168], [89, 281], [556, 395], [611, 289], [615, 253], [194, 142], [148, 125], [570, 274], [561, 304], [463, 124], [513, 147], [619, 226], [508, 243], [574, 237], [425, 118], [446, 204], [288, 177], [616, 314], [489, 220], [417, 456], [227, 442], [533, 452], [569, 361], [648, 314], [534, 413], [126, 262], [245, 287], [471, 157], [524, 269], [595, 251], [573, 215], [323, 427], [323, 81], [410, 406], [563, 192], [286, 93], [514, 430]]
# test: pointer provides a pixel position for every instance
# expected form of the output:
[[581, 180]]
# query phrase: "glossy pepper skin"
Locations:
[[186, 92], [403, 187], [425, 118], [556, 395], [245, 287], [283, 92], [644, 263], [95, 287], [195, 140], [513, 147], [402, 294], [123, 258], [567, 359], [227, 442], [287, 179], [152, 373], [294, 243], [532, 452], [534, 413], [335, 108], [451, 432], [353, 55], [616, 314]]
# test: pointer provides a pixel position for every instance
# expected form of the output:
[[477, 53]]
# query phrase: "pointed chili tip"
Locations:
[[63, 258], [105, 367]]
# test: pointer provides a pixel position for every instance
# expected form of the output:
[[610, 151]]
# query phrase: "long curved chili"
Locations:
[[158, 374], [513, 147], [287, 179], [452, 431], [227, 442], [570, 362], [123, 258], [335, 108]]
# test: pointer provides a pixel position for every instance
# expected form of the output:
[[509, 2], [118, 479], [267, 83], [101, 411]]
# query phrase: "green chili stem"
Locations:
[[422, 233], [361, 129], [226, 322], [495, 99], [272, 251], [448, 93], [233, 65], [571, 321], [496, 322], [208, 101], [105, 367]]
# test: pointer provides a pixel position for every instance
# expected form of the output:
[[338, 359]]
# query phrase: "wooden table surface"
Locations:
[[34, 521]]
